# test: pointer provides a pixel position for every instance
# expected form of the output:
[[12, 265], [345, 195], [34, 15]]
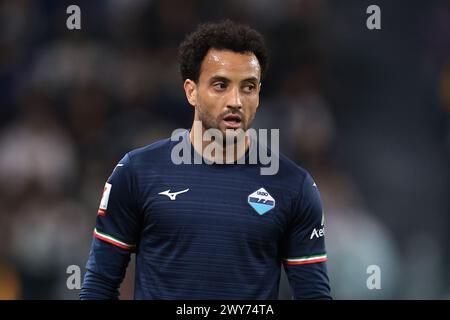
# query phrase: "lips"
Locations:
[[232, 121], [232, 117]]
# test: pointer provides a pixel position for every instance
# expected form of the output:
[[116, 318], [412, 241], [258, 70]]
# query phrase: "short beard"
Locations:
[[207, 121], [237, 134]]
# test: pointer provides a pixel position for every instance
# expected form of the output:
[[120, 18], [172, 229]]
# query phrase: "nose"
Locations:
[[234, 100]]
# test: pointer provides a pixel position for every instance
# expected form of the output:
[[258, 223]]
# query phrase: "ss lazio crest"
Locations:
[[261, 201]]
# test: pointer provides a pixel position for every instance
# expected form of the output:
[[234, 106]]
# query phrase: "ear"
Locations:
[[190, 89]]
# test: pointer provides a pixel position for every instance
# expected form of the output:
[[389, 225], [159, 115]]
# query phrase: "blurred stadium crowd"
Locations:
[[366, 112]]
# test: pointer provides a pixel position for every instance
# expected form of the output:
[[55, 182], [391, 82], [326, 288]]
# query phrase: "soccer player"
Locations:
[[212, 230]]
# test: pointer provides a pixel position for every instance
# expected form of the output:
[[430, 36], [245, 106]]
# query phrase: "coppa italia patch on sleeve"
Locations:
[[105, 198]]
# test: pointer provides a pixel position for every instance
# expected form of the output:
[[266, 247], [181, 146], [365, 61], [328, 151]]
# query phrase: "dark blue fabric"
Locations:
[[208, 243]]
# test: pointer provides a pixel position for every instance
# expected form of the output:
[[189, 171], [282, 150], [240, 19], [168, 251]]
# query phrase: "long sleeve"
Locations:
[[305, 253], [105, 272], [115, 235]]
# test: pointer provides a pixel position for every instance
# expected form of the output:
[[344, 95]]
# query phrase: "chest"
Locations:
[[213, 205]]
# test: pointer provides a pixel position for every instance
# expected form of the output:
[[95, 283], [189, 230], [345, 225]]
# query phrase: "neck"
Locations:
[[216, 151]]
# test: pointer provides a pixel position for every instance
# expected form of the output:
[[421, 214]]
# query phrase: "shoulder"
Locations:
[[151, 150], [306, 196], [154, 153], [146, 158], [292, 173]]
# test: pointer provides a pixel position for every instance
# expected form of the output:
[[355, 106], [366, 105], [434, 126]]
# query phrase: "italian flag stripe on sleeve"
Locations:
[[107, 238], [306, 259]]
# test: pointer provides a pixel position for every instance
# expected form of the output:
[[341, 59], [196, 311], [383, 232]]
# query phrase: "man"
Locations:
[[215, 230]]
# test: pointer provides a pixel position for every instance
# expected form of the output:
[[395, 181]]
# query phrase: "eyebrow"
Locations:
[[224, 79], [251, 79], [219, 78]]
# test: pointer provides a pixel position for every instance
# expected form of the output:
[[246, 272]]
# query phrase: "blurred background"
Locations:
[[366, 112]]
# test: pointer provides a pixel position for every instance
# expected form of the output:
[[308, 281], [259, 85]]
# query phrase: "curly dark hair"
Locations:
[[225, 35]]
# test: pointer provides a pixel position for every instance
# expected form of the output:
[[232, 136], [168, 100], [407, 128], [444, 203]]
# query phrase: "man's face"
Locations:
[[226, 94]]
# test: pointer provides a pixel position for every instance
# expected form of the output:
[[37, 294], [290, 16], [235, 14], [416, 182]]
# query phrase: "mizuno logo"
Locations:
[[173, 195]]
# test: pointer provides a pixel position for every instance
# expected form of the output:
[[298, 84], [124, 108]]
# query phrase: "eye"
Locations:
[[219, 86], [249, 87]]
